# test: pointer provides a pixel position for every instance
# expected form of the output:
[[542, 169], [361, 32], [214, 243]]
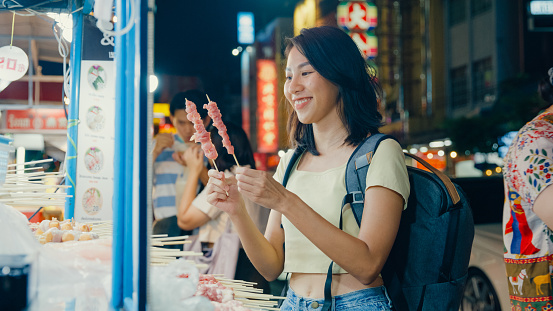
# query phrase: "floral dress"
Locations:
[[528, 170]]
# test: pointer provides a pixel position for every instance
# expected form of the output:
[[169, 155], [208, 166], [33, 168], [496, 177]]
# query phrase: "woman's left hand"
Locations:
[[261, 188]]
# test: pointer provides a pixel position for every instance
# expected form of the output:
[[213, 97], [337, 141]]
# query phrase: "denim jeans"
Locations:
[[369, 299]]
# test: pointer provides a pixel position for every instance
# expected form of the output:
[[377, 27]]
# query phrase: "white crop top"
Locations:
[[324, 191]]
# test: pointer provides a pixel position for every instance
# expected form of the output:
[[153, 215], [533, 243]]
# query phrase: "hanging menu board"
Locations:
[[95, 150]]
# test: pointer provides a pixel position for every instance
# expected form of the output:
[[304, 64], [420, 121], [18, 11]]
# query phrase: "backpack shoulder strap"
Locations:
[[289, 168], [297, 153], [356, 173]]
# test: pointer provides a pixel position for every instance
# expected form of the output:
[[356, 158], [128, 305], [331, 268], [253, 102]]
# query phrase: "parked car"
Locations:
[[487, 287]]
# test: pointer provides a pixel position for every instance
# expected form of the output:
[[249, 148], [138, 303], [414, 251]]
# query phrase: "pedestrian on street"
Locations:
[[333, 101], [528, 209]]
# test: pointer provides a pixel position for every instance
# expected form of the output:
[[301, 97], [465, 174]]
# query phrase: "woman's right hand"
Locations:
[[222, 192], [194, 158]]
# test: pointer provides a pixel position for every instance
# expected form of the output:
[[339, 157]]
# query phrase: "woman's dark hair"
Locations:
[[545, 89], [335, 56], [242, 148]]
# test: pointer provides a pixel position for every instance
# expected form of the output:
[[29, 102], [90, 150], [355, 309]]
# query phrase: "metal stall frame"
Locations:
[[132, 157], [73, 112]]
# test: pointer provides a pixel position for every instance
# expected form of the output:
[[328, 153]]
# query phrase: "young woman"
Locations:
[[334, 107]]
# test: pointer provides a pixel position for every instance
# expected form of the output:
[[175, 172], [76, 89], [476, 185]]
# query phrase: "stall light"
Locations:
[[488, 172], [413, 150], [498, 169], [67, 34], [281, 153], [424, 149], [249, 49], [235, 52], [65, 22], [430, 155], [436, 144], [405, 150], [453, 154], [441, 153], [152, 83], [447, 142]]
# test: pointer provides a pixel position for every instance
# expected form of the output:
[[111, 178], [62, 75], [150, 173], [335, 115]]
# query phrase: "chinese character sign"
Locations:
[[13, 63], [267, 127], [366, 42], [357, 16]]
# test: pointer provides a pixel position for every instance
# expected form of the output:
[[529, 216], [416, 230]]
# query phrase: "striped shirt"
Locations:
[[169, 180]]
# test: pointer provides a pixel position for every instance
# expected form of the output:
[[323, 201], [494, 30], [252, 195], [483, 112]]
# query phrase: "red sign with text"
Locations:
[[36, 119], [267, 127], [357, 15]]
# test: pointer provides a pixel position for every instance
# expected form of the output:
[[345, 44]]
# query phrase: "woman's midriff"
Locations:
[[311, 285]]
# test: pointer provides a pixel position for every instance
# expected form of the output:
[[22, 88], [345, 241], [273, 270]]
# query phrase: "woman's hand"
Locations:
[[261, 188], [194, 159], [217, 189]]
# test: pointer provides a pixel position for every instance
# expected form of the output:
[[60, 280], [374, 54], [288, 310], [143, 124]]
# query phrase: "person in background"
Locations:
[[528, 209], [334, 108], [195, 212], [170, 171]]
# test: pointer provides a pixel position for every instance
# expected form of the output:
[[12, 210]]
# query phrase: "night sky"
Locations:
[[195, 38]]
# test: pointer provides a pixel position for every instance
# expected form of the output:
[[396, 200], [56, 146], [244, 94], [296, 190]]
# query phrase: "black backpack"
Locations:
[[428, 264]]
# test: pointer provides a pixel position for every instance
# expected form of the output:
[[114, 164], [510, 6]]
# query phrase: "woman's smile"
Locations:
[[302, 102]]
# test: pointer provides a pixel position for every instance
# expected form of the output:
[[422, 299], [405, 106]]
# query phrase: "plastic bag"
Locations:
[[15, 236], [74, 274], [172, 288]]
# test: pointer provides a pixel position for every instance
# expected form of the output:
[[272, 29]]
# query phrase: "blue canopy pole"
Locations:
[[73, 113], [144, 38], [119, 198], [130, 101]]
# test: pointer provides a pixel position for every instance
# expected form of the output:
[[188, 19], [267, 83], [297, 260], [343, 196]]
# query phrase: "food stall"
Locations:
[[102, 256]]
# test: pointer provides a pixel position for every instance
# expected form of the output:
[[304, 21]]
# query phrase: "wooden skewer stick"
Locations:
[[212, 160], [165, 238], [31, 162], [236, 160]]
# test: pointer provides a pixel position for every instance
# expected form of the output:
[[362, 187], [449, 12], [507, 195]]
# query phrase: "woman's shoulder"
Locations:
[[389, 146], [282, 164], [285, 159]]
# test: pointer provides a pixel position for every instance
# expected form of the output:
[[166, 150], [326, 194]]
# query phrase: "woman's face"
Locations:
[[313, 97]]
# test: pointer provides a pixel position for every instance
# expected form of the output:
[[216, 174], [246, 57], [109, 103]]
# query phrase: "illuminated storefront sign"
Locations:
[[36, 119], [305, 15], [245, 28], [367, 43], [357, 15], [267, 127], [541, 7], [358, 19]]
